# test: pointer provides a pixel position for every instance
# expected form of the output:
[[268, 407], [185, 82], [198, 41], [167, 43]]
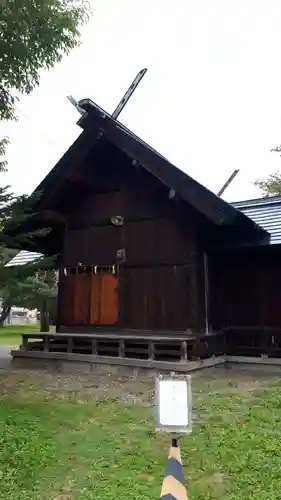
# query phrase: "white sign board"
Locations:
[[173, 404]]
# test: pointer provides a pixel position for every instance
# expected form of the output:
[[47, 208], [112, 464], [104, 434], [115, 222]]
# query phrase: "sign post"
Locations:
[[174, 415]]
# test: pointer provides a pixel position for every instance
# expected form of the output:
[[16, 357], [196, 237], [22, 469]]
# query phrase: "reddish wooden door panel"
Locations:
[[89, 299], [67, 294], [109, 299], [82, 299], [95, 300]]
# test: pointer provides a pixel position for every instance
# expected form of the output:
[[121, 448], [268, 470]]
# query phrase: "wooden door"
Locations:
[[82, 299], [89, 299], [95, 299], [67, 294], [109, 299], [75, 299], [104, 299]]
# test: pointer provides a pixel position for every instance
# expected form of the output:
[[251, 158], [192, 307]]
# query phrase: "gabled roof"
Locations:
[[266, 212], [97, 123]]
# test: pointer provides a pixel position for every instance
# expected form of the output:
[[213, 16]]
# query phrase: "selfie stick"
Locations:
[[173, 485]]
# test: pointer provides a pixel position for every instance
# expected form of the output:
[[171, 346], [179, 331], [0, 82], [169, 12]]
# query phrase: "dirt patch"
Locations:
[[66, 492], [129, 390], [247, 385], [217, 483], [233, 380]]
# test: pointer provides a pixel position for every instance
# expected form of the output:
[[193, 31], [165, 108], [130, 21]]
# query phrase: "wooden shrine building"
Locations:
[[246, 291], [146, 253]]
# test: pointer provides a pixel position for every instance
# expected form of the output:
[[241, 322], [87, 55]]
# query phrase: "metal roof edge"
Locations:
[[24, 257], [266, 212], [256, 202]]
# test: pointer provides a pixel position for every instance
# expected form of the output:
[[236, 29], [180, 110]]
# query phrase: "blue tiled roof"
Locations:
[[23, 258], [266, 212]]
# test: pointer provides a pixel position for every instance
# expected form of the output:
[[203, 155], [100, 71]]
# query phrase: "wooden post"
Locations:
[[173, 485], [46, 343], [184, 351], [151, 351], [70, 344], [44, 317], [58, 311], [265, 340], [25, 342], [121, 348], [94, 346]]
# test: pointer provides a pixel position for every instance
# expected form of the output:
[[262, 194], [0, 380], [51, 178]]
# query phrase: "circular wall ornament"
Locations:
[[117, 220]]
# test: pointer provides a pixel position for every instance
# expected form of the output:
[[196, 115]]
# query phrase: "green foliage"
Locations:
[[27, 290], [14, 210], [28, 286], [22, 448], [24, 286], [12, 334], [3, 145], [271, 186], [232, 453], [35, 35]]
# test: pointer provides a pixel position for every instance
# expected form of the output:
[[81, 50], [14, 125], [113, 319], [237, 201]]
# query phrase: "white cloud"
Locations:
[[210, 101]]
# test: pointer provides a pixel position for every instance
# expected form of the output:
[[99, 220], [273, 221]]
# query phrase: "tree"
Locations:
[[3, 162], [29, 287], [34, 35], [33, 285], [271, 186]]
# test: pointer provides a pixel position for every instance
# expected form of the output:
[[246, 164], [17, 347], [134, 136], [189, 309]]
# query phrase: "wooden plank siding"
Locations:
[[159, 280], [246, 289]]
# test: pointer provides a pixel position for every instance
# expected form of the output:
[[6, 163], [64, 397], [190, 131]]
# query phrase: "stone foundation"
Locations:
[[79, 363]]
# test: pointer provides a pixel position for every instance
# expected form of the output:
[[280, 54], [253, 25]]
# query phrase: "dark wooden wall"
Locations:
[[245, 288], [161, 279]]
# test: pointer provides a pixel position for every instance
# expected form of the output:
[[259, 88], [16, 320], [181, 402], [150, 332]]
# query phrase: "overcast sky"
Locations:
[[210, 101]]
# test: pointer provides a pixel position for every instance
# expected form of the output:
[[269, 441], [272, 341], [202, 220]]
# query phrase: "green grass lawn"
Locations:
[[86, 438], [11, 334]]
